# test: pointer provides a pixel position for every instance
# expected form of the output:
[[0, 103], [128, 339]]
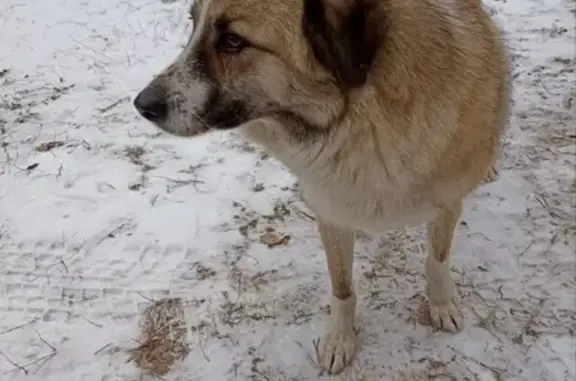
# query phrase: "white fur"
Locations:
[[339, 343]]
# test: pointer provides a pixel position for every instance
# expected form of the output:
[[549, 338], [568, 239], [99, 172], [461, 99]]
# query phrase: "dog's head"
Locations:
[[251, 59]]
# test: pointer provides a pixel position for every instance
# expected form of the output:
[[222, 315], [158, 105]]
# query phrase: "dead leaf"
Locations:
[[272, 239]]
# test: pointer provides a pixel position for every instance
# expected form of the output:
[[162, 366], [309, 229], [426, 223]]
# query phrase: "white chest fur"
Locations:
[[351, 190]]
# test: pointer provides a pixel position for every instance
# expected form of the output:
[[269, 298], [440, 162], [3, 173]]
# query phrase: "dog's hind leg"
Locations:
[[440, 288], [338, 344]]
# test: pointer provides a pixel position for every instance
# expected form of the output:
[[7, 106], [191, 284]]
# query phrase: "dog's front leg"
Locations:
[[339, 342], [440, 288]]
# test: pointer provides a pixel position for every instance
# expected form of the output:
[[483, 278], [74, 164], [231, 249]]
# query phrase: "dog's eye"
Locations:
[[231, 43]]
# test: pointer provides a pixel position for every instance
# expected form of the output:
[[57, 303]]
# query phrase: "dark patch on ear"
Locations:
[[344, 41]]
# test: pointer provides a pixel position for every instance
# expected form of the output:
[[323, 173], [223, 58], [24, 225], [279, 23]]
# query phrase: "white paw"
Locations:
[[337, 351], [442, 296], [339, 343], [446, 316]]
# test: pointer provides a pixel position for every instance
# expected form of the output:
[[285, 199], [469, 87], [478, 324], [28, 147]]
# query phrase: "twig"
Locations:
[[145, 297], [202, 348], [91, 322], [318, 362], [64, 265], [307, 215], [102, 349], [526, 249], [179, 183], [18, 327], [112, 105], [19, 367], [45, 342], [44, 360], [497, 373]]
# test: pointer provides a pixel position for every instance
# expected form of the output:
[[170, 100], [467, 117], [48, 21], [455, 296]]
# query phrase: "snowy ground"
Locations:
[[100, 214]]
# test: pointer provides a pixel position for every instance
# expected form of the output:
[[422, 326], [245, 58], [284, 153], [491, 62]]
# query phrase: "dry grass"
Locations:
[[162, 339]]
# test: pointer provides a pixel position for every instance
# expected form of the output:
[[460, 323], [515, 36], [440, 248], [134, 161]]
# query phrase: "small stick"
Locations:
[[112, 105], [19, 367], [18, 327]]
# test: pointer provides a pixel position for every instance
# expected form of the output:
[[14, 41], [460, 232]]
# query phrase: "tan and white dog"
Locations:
[[389, 112]]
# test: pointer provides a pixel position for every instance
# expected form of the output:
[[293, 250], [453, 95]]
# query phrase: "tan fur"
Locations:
[[403, 149]]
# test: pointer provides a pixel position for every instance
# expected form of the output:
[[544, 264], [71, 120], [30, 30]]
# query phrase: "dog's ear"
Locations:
[[344, 36]]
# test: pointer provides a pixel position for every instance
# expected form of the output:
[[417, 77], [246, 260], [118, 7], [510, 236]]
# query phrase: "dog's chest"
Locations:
[[352, 191], [362, 206]]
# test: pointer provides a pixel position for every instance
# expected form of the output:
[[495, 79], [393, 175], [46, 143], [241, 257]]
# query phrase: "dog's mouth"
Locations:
[[224, 114]]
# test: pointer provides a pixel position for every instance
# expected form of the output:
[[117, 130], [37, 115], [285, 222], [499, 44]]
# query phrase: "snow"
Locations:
[[115, 214]]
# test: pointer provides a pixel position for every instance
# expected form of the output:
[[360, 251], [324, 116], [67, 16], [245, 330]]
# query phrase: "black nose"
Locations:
[[151, 103]]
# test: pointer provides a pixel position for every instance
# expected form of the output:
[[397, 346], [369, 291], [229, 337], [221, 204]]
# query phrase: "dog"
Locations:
[[388, 112]]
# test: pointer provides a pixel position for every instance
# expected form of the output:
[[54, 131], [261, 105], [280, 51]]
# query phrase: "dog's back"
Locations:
[[442, 94]]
